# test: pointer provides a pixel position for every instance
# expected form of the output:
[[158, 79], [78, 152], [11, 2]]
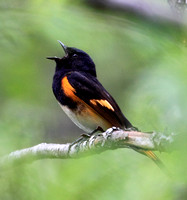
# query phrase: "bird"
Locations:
[[84, 99]]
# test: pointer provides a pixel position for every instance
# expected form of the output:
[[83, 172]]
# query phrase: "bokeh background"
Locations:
[[141, 59]]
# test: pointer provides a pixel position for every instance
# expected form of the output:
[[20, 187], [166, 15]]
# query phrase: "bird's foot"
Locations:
[[98, 129], [132, 129], [85, 136], [110, 130], [82, 137]]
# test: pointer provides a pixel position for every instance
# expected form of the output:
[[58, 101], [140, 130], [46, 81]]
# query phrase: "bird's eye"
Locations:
[[75, 56]]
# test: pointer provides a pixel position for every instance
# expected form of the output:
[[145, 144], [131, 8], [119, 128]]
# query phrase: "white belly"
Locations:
[[87, 121]]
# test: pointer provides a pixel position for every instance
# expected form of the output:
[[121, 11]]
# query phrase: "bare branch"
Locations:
[[111, 139], [172, 12]]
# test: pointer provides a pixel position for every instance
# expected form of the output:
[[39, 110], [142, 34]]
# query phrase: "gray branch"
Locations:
[[111, 139], [173, 11]]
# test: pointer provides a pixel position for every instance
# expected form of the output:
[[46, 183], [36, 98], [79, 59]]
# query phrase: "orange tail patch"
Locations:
[[151, 155], [157, 161]]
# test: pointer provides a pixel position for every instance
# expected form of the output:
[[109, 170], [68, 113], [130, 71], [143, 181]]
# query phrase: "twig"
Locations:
[[111, 139]]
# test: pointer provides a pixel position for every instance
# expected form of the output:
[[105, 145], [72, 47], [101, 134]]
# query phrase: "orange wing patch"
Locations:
[[84, 112], [68, 89], [102, 102]]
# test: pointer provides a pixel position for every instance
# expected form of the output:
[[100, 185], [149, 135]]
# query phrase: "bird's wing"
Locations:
[[89, 90]]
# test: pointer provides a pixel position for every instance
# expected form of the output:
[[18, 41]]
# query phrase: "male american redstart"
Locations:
[[84, 99]]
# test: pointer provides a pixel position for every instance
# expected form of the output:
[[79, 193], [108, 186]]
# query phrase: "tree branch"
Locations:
[[113, 138], [149, 9]]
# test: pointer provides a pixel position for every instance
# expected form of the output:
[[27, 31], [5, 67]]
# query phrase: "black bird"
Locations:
[[83, 98]]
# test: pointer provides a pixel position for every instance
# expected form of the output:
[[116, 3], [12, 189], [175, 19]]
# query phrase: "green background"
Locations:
[[141, 62]]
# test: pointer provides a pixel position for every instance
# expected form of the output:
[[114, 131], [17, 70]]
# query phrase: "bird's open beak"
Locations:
[[52, 58], [64, 47], [65, 50]]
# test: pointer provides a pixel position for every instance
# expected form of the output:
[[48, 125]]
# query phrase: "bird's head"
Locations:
[[74, 60]]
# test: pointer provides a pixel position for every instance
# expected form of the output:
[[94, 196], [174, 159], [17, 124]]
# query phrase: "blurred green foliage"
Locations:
[[143, 65]]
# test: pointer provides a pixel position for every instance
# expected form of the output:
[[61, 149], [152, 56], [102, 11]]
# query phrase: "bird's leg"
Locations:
[[75, 142], [131, 129], [96, 130], [86, 135]]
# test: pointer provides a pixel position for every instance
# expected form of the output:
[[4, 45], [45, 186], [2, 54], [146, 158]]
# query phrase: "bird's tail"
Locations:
[[155, 159]]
